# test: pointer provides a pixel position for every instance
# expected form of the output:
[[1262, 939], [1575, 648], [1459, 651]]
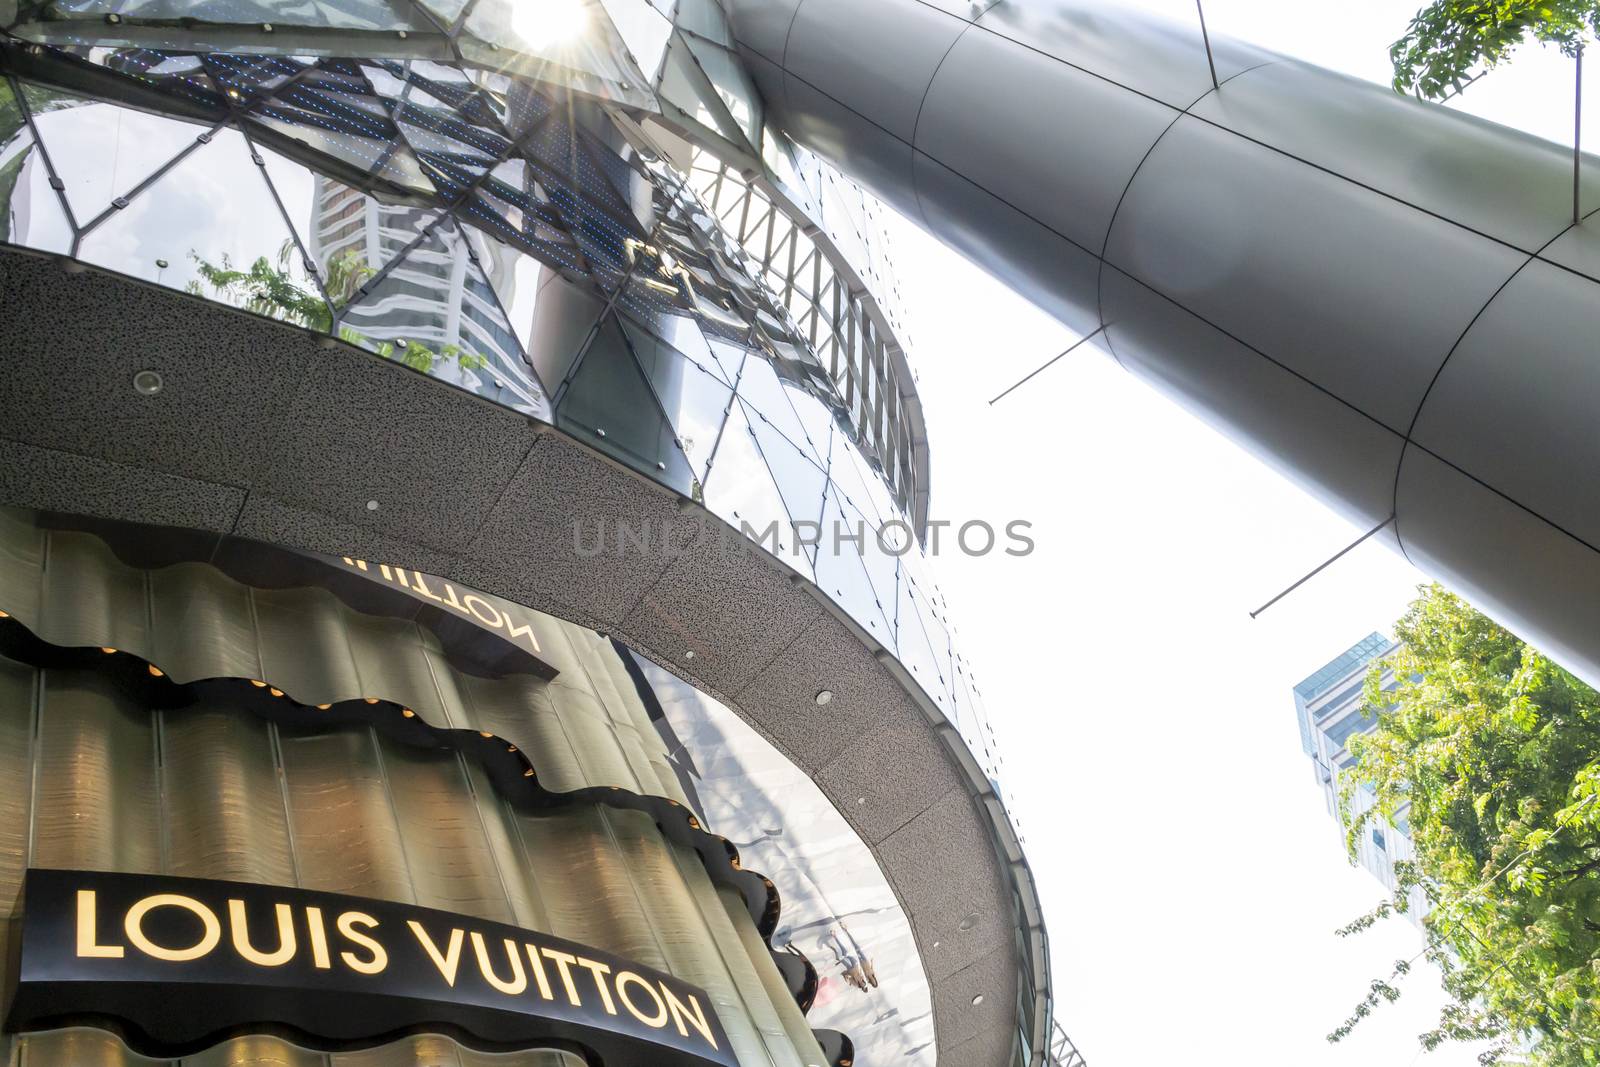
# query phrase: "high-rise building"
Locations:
[[1331, 708]]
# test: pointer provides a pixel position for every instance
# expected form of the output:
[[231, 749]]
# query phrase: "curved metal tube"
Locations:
[[1387, 300]]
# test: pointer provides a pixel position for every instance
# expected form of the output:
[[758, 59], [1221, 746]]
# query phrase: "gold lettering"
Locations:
[[133, 926], [564, 962], [538, 972], [519, 981], [319, 938], [422, 587], [347, 923], [450, 598], [513, 631], [599, 971], [680, 1012], [469, 600], [447, 962], [239, 925], [88, 944], [627, 978]]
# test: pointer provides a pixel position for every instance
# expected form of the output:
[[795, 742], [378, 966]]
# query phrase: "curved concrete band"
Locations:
[[269, 432], [1386, 299]]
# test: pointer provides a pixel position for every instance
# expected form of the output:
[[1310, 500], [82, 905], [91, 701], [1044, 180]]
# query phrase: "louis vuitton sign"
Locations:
[[177, 963]]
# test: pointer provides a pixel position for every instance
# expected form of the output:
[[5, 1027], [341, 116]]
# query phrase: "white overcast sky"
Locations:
[[1191, 876]]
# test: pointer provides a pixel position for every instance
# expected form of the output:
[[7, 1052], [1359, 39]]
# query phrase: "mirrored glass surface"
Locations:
[[837, 908], [740, 490]]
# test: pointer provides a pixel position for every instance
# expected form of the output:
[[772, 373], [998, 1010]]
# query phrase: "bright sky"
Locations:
[[1192, 878]]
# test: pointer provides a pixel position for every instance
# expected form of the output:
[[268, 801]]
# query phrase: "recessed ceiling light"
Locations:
[[148, 382], [824, 697], [372, 505], [968, 923], [977, 1000], [689, 654]]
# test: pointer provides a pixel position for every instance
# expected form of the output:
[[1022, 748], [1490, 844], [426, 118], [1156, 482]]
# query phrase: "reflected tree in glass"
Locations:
[[268, 289]]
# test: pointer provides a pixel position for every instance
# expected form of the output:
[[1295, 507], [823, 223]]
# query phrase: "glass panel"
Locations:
[[841, 573], [696, 403], [644, 30], [353, 236], [100, 150], [684, 86], [342, 14], [515, 279], [181, 75], [740, 489], [706, 19], [609, 404], [30, 210], [332, 112], [211, 227], [800, 481], [297, 188], [569, 43], [759, 385], [446, 11], [864, 487], [730, 357], [732, 84]]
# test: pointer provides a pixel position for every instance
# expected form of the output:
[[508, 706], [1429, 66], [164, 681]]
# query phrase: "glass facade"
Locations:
[[575, 210]]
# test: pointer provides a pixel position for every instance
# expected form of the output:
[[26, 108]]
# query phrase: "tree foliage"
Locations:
[[1491, 753], [1451, 43], [268, 289]]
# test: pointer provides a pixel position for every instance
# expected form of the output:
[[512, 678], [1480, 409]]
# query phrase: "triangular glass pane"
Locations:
[[571, 44], [741, 491], [685, 87], [248, 79], [30, 210], [100, 150], [800, 481], [696, 403], [705, 18], [609, 404], [446, 11], [181, 75], [644, 30], [211, 227], [515, 277], [521, 218], [914, 649], [332, 112], [730, 357], [455, 151], [732, 84], [350, 236], [842, 574], [860, 482], [761, 389]]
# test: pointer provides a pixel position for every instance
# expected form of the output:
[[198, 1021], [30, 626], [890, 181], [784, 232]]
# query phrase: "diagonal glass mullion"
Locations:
[[156, 175], [294, 231], [56, 182]]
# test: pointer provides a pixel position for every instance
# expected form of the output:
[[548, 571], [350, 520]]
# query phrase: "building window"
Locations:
[[1377, 839]]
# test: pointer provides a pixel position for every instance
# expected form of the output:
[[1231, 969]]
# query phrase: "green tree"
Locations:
[[1491, 752], [268, 289], [1451, 43]]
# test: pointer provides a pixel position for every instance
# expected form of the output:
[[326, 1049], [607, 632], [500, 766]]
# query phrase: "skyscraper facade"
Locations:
[[1331, 708]]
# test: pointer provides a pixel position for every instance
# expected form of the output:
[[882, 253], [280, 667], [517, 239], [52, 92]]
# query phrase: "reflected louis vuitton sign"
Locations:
[[177, 963]]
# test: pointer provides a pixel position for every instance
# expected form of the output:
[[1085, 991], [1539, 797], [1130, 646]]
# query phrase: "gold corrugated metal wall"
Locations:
[[90, 778]]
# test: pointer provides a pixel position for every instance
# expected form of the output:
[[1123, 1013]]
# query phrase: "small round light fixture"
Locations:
[[977, 1000], [372, 505], [689, 654], [148, 382], [861, 801], [968, 923], [824, 697]]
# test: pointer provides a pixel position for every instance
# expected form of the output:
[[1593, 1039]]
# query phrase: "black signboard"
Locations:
[[178, 963]]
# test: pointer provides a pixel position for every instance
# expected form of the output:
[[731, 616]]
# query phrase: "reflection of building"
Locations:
[[430, 296], [322, 727], [1330, 707]]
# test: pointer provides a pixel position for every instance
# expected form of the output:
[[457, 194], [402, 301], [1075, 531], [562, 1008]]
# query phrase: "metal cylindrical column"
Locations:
[[1384, 298]]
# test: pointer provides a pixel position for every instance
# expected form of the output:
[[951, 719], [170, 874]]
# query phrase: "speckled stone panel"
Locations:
[[51, 480], [946, 883], [988, 1026], [884, 779], [826, 655], [71, 357], [360, 429], [692, 607]]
